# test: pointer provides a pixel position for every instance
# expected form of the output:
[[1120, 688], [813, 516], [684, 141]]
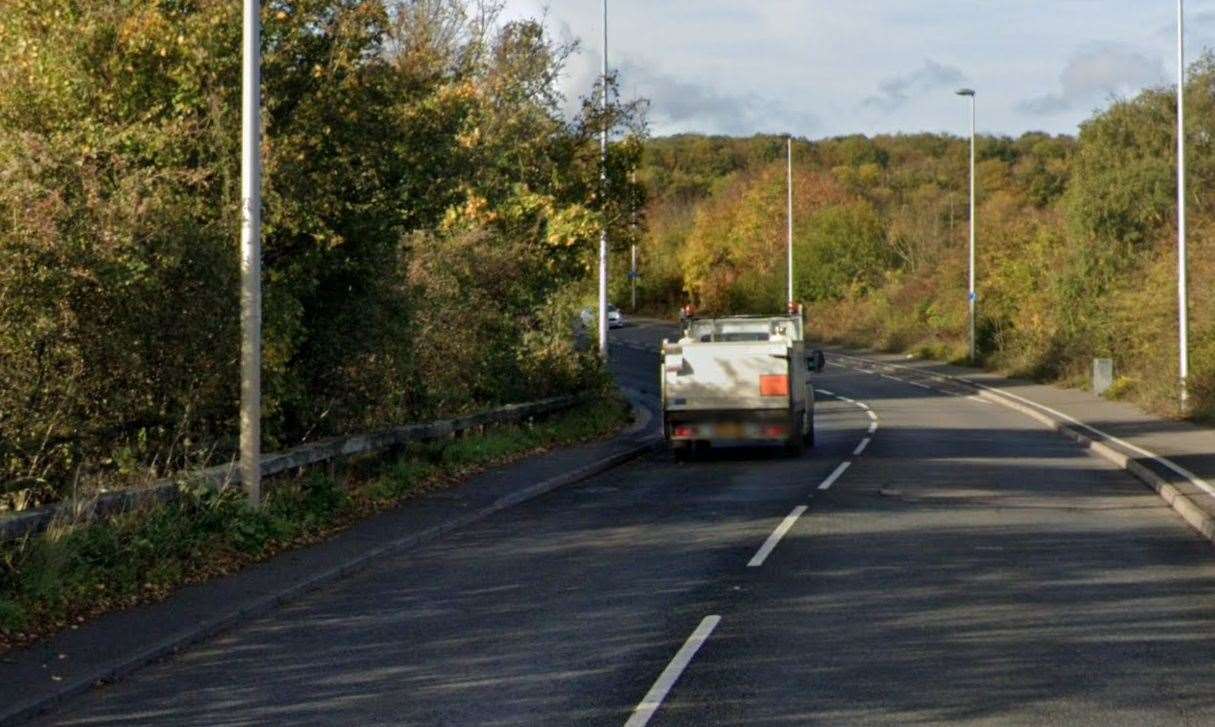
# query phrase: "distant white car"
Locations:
[[615, 317]]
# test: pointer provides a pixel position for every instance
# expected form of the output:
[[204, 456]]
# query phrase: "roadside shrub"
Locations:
[[431, 122], [78, 570]]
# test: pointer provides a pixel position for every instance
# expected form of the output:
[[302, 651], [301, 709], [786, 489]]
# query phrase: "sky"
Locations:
[[819, 68]]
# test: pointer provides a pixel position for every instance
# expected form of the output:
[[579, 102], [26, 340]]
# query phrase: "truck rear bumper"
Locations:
[[732, 426]]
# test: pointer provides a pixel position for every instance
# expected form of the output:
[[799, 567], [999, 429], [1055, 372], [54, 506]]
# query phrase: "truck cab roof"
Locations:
[[743, 328]]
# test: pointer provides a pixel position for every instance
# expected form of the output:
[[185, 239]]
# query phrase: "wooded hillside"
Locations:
[[1076, 240]]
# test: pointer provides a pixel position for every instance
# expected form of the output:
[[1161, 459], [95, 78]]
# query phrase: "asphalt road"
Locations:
[[966, 567]]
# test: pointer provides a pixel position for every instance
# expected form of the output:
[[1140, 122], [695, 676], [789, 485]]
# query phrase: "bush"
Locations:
[[75, 571], [426, 198]]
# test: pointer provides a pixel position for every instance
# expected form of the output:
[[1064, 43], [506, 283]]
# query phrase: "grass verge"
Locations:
[[73, 573]]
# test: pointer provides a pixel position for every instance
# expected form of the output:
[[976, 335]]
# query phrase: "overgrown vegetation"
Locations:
[[1076, 241], [429, 214], [72, 573]]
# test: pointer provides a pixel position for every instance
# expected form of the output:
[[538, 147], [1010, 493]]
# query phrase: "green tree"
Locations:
[[840, 249], [400, 136]]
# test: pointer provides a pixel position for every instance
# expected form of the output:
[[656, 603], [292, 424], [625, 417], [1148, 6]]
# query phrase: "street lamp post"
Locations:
[[251, 261], [970, 291], [633, 277], [603, 239], [789, 218], [1183, 324], [633, 274]]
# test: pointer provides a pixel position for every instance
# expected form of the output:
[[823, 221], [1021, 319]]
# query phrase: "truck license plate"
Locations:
[[730, 430]]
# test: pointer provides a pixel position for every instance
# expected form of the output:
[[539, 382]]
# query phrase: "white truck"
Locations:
[[739, 380]]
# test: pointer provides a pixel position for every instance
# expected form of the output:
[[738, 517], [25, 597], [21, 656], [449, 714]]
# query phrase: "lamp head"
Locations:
[[966, 92]]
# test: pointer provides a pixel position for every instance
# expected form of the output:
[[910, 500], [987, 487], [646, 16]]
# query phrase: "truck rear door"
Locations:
[[725, 376]]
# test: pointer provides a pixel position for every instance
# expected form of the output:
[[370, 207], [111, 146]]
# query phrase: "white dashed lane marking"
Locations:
[[791, 519], [839, 471], [650, 703], [774, 539]]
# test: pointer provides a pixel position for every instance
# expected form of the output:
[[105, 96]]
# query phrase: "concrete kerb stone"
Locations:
[[642, 417], [124, 665], [1181, 503]]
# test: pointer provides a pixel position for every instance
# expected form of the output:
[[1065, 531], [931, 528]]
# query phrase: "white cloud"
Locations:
[[680, 103], [1095, 75], [827, 68], [677, 102], [895, 92], [581, 69]]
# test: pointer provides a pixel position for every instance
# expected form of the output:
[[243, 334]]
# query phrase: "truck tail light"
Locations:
[[774, 385], [683, 431], [776, 431]]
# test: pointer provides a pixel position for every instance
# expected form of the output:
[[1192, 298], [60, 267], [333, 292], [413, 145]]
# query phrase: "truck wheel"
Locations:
[[796, 446], [686, 452]]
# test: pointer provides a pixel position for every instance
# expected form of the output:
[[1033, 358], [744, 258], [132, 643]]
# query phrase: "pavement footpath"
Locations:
[[35, 679], [1175, 458]]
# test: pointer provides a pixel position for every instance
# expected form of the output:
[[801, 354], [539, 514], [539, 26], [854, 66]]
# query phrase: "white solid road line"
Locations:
[[1194, 479], [827, 483], [824, 392], [872, 426], [653, 698], [1164, 461], [861, 447], [871, 414], [770, 544]]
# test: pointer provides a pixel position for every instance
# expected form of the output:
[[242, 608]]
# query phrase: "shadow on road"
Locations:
[[957, 573]]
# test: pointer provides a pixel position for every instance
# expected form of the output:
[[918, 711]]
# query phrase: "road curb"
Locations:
[[1194, 515], [123, 666], [1182, 504], [642, 416]]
